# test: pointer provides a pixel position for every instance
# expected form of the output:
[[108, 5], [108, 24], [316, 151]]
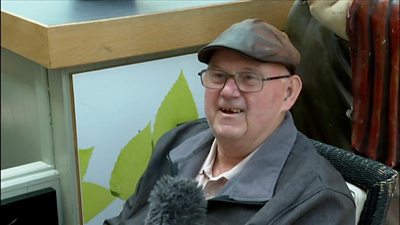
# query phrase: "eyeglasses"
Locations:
[[245, 81]]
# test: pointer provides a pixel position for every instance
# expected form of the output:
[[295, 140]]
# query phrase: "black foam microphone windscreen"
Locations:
[[176, 201]]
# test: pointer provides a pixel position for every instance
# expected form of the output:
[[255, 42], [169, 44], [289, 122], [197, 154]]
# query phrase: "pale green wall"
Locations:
[[25, 112]]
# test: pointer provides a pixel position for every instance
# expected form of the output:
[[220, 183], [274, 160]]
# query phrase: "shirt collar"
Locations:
[[209, 163]]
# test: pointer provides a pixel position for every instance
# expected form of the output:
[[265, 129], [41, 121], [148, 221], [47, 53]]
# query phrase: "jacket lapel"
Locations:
[[188, 157]]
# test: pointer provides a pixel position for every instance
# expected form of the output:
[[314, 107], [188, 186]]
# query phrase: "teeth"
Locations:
[[231, 110]]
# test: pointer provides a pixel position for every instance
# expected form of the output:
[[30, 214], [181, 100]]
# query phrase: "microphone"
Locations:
[[176, 201]]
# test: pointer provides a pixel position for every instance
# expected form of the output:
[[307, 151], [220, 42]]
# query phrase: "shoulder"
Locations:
[[306, 167], [176, 136], [181, 133], [307, 182]]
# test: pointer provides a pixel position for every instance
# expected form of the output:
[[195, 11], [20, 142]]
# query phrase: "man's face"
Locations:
[[245, 117]]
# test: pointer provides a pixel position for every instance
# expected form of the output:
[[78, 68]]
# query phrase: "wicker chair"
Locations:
[[377, 179]]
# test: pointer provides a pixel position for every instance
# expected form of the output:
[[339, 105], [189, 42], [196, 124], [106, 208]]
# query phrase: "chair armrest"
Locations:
[[376, 178]]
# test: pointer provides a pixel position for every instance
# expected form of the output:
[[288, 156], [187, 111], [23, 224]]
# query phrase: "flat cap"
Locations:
[[256, 39]]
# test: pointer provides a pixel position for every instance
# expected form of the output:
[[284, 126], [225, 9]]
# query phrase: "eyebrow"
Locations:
[[253, 69]]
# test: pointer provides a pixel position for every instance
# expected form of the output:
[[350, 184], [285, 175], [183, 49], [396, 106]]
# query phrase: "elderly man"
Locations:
[[251, 162]]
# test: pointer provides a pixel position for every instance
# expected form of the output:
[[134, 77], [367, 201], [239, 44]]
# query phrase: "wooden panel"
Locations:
[[104, 40], [25, 38]]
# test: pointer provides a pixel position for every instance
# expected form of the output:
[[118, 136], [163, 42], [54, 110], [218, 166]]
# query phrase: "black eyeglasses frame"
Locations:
[[234, 77]]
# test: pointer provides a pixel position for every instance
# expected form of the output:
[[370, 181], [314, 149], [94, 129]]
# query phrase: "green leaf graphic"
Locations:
[[84, 157], [130, 165], [95, 199], [177, 107]]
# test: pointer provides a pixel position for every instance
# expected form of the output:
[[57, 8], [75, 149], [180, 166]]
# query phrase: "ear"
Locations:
[[292, 92]]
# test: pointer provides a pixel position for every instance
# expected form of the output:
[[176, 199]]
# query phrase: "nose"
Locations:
[[230, 88]]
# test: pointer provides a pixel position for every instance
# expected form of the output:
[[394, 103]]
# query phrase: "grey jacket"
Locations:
[[308, 190]]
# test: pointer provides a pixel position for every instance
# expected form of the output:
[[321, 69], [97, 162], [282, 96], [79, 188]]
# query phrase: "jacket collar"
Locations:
[[188, 157], [248, 185]]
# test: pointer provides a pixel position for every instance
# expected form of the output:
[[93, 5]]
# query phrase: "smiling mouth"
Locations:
[[231, 110]]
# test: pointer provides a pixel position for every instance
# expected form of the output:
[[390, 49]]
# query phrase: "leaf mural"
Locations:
[[177, 107], [84, 158], [131, 163], [95, 199]]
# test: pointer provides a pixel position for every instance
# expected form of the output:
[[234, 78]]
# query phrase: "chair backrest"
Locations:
[[377, 179]]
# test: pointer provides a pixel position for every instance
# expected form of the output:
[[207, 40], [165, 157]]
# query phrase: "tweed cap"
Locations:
[[256, 39]]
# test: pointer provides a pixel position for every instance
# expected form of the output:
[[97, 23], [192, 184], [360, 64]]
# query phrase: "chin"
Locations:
[[228, 132]]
